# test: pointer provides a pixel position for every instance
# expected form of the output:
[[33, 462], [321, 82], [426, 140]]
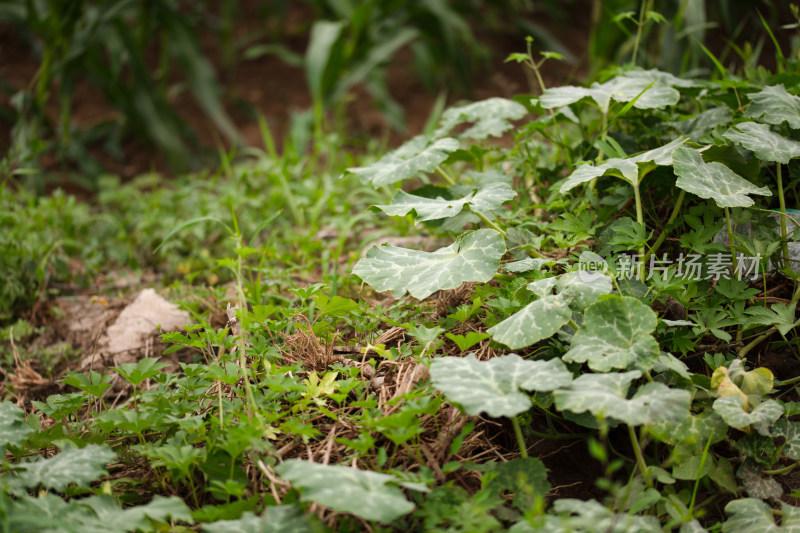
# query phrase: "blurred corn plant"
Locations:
[[110, 44], [684, 37]]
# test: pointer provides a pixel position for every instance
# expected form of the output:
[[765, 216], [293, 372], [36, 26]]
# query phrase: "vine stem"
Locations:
[[690, 512], [523, 451], [494, 226], [640, 219], [755, 342], [663, 236], [781, 471], [637, 450], [782, 203], [734, 260], [445, 175], [642, 12]]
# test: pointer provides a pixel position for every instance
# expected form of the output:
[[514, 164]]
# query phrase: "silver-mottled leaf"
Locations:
[[765, 143], [73, 465], [582, 288], [616, 333], [628, 167], [493, 386], [276, 519], [757, 484], [752, 515], [491, 118], [620, 89], [369, 495], [527, 264], [474, 256], [732, 411], [791, 432], [406, 162], [605, 395], [484, 201], [536, 321], [713, 180], [13, 429], [543, 287], [775, 106]]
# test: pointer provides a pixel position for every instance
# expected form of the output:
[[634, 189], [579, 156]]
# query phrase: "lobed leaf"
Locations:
[[474, 256], [369, 495], [616, 333], [763, 142], [750, 514], [74, 465], [627, 169], [713, 180], [483, 201], [493, 386], [604, 395], [491, 118], [415, 156], [534, 322], [13, 429], [775, 106], [733, 412]]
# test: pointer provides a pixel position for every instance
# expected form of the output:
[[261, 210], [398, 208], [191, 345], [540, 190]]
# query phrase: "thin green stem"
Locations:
[[640, 219], [703, 457], [637, 450], [782, 203], [642, 12], [734, 260], [663, 235], [495, 227], [523, 450], [573, 324], [445, 175], [755, 342], [781, 471]]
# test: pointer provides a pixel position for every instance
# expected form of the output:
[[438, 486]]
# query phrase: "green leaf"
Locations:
[[493, 386], [474, 256], [324, 35], [750, 514], [74, 465], [483, 201], [775, 106], [534, 322], [791, 432], [763, 142], [620, 89], [13, 430], [136, 373], [713, 180], [335, 306], [137, 518], [465, 342], [616, 333], [278, 519], [781, 315], [525, 478], [604, 395], [582, 288], [491, 118], [369, 495], [528, 264], [627, 169], [733, 412], [407, 161]]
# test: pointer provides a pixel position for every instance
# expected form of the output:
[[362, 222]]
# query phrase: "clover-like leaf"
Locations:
[[483, 201], [604, 395], [73, 465], [627, 169], [765, 143], [491, 118], [713, 180], [493, 386], [616, 333], [621, 89], [369, 495], [13, 429], [536, 321], [775, 106], [733, 412], [750, 514], [474, 256], [407, 161]]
